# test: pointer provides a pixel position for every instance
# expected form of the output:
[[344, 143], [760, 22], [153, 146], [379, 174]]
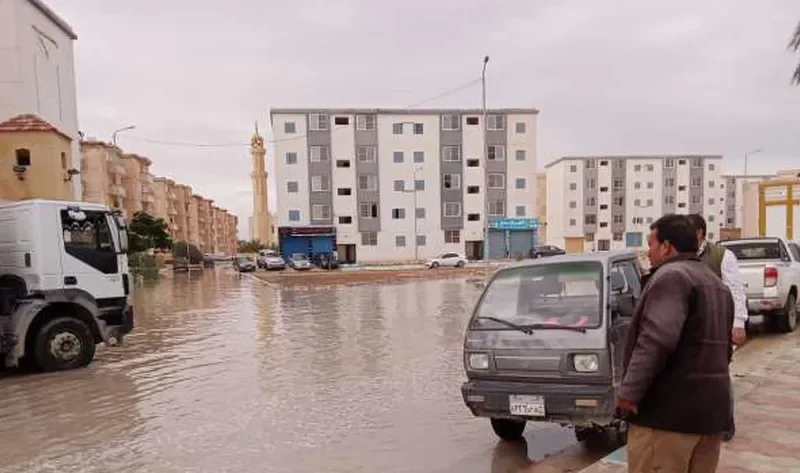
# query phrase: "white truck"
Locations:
[[770, 268], [64, 283]]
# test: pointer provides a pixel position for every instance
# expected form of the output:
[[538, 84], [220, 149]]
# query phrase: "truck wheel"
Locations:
[[63, 343], [786, 320], [508, 429], [586, 433]]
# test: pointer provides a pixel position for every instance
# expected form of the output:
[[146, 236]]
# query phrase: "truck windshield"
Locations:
[[558, 295]]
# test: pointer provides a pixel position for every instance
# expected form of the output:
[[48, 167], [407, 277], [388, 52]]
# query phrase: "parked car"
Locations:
[[325, 261], [545, 250], [180, 265], [244, 264], [270, 260], [300, 262], [770, 268], [452, 260]]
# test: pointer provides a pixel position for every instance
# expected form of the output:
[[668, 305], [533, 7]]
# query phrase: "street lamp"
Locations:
[[485, 126], [747, 154], [114, 135]]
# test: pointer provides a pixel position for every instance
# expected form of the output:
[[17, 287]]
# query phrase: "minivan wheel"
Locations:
[[63, 343], [508, 429], [785, 321]]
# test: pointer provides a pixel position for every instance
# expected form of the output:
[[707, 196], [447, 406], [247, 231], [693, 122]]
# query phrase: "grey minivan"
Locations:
[[545, 342]]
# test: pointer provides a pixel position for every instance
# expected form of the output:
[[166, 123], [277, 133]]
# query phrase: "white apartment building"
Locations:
[[608, 202], [400, 185], [37, 69], [741, 210]]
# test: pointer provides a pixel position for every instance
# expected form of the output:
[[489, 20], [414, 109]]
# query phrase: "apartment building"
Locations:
[[399, 185], [102, 174], [741, 204], [608, 202]]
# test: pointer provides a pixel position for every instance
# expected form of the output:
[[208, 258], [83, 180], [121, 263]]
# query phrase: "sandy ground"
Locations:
[[366, 276]]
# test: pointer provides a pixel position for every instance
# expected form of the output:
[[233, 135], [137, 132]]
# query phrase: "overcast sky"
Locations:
[[609, 77]]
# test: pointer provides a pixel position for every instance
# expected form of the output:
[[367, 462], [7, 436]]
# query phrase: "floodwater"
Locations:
[[224, 373]]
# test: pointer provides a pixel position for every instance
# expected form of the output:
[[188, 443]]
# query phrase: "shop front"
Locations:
[[512, 237], [310, 241]]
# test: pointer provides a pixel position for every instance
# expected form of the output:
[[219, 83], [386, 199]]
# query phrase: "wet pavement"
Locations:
[[226, 373]]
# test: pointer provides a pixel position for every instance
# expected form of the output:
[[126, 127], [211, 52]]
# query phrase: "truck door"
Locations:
[[89, 260]]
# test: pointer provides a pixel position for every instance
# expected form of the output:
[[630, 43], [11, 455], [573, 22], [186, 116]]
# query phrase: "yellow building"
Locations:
[[778, 205], [102, 174], [37, 160]]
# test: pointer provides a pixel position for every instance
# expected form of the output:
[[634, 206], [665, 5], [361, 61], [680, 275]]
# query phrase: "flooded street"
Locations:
[[229, 374]]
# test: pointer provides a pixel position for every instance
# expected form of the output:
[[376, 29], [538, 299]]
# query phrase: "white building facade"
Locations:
[[400, 185], [608, 202], [37, 68]]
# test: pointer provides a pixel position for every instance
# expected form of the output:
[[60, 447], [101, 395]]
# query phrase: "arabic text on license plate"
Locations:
[[529, 406]]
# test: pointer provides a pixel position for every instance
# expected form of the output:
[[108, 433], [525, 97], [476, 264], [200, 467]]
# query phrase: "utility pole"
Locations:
[[485, 126], [114, 135]]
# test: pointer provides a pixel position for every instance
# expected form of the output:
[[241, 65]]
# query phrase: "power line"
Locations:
[[292, 138]]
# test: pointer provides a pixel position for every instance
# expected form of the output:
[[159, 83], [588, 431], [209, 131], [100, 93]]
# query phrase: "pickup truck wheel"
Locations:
[[786, 320], [508, 429], [63, 343]]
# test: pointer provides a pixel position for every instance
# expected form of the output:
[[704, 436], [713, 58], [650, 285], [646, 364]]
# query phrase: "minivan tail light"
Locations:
[[770, 276]]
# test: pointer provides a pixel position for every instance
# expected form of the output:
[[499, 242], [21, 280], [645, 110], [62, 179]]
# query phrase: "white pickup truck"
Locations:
[[770, 268]]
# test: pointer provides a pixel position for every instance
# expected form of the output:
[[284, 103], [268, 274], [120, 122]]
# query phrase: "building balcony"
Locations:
[[147, 189], [173, 197], [147, 178], [117, 190], [116, 169], [171, 210]]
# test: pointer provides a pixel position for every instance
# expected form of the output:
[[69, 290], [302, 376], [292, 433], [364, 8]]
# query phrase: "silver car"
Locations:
[[445, 260], [271, 260], [300, 262]]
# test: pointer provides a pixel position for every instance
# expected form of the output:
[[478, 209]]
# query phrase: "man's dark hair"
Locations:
[[678, 230], [698, 222]]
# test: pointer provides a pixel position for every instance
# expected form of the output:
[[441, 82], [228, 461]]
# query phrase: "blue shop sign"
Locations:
[[499, 223]]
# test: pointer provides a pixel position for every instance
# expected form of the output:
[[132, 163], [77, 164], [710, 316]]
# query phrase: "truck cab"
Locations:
[[64, 282]]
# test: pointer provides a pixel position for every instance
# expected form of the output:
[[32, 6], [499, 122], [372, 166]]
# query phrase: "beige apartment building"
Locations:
[[123, 181]]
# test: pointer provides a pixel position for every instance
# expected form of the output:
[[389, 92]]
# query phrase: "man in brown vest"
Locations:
[[726, 266], [676, 384]]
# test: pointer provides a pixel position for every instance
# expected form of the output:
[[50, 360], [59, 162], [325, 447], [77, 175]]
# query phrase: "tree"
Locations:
[[145, 232], [251, 246], [794, 46], [181, 248]]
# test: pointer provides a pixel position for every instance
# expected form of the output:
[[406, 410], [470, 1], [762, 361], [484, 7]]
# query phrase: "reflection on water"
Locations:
[[225, 374]]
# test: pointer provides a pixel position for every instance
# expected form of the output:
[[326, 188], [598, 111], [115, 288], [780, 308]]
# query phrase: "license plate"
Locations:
[[528, 406]]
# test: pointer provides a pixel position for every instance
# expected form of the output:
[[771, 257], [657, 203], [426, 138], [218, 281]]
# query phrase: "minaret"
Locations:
[[261, 218]]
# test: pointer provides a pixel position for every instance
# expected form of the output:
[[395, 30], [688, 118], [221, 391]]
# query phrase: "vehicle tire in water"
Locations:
[[786, 320], [508, 429], [63, 343], [434, 265], [460, 264]]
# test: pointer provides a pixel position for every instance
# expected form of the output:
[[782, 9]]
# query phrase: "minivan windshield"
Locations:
[[557, 295]]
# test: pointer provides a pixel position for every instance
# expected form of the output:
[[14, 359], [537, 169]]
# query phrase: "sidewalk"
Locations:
[[766, 384]]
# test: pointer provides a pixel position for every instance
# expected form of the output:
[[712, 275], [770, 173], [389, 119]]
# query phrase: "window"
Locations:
[[292, 187], [602, 188], [289, 128], [619, 201], [637, 203], [320, 183], [497, 181], [520, 211], [419, 156], [451, 181], [619, 164], [319, 154], [573, 186], [603, 245], [421, 240], [419, 185], [572, 222], [697, 182], [418, 128], [342, 163], [473, 163], [345, 220], [399, 185], [369, 238], [649, 167], [681, 188], [573, 204], [368, 182], [398, 214], [590, 219], [711, 201], [520, 183], [400, 241], [637, 220], [573, 168], [617, 236], [419, 212], [637, 167], [495, 122], [589, 237], [711, 235], [710, 167], [473, 217], [591, 183], [473, 189], [496, 152], [318, 122], [397, 128], [473, 121], [637, 185], [320, 212], [670, 199], [669, 163], [291, 157], [669, 182], [344, 191], [604, 163], [398, 157], [603, 224], [497, 208], [451, 122], [368, 210], [341, 121], [294, 215], [366, 154], [452, 236], [63, 160], [520, 154], [603, 206], [591, 202], [452, 209], [682, 205], [618, 219], [365, 122], [649, 220], [697, 162], [649, 202], [618, 183], [681, 162], [650, 185], [695, 199], [520, 127], [451, 153], [710, 219], [711, 184]]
